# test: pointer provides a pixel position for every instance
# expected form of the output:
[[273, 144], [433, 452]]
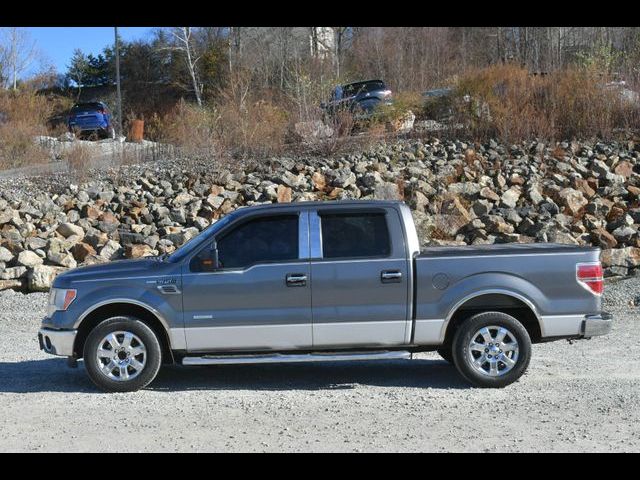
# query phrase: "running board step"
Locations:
[[281, 358]]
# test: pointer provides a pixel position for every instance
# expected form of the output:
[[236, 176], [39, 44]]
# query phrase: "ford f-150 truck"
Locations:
[[318, 281]]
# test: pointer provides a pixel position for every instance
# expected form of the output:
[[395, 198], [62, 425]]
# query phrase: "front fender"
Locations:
[[167, 308]]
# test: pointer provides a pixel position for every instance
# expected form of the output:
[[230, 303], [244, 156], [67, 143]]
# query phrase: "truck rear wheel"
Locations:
[[491, 349], [122, 354]]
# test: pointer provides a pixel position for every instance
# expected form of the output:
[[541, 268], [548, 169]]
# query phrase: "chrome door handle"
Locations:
[[296, 280], [391, 276]]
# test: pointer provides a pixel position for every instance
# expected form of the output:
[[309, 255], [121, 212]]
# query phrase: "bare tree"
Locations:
[[18, 53], [184, 42]]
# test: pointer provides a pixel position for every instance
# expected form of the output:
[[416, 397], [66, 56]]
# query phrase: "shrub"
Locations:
[[510, 103], [23, 116]]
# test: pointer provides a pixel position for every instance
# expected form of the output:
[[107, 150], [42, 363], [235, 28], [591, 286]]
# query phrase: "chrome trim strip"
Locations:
[[303, 236], [315, 235], [413, 242], [309, 357]]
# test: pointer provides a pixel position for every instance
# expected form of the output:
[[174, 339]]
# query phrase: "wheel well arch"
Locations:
[[94, 317], [506, 302]]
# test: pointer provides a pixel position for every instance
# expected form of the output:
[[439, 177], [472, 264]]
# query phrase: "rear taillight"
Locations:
[[590, 276]]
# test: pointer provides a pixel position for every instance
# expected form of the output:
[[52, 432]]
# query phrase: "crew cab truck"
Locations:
[[317, 281]]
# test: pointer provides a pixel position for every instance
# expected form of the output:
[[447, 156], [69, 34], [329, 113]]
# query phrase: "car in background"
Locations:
[[91, 118], [358, 98]]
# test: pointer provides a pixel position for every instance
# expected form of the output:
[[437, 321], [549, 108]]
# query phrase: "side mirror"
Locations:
[[211, 261]]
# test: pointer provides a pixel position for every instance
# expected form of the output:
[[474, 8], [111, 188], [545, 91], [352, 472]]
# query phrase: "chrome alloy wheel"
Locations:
[[121, 356], [493, 351]]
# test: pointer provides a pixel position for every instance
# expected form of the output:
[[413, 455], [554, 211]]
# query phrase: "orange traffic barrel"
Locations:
[[136, 132]]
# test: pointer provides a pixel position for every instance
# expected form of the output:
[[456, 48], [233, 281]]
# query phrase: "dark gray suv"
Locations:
[[359, 98]]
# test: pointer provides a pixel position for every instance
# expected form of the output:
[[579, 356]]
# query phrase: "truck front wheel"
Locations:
[[491, 349], [122, 354]]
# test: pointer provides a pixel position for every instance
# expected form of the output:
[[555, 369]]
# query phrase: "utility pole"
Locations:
[[119, 101]]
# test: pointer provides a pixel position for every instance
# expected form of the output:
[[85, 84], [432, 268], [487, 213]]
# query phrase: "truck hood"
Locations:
[[145, 267]]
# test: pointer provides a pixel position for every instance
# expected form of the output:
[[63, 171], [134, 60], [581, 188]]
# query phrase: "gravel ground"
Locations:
[[579, 397]]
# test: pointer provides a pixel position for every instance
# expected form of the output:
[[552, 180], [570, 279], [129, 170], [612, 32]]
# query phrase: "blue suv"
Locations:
[[89, 118]]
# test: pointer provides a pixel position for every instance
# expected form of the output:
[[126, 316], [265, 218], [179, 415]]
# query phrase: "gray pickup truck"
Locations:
[[318, 281]]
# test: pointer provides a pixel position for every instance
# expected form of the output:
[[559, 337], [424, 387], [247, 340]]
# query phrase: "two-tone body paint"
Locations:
[[343, 303]]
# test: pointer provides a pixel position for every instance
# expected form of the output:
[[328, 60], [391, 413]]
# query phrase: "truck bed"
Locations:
[[540, 276]]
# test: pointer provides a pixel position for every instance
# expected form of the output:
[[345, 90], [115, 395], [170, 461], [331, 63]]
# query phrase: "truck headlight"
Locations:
[[60, 299]]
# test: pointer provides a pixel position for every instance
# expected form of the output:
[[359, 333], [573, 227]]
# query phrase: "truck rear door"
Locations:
[[359, 271]]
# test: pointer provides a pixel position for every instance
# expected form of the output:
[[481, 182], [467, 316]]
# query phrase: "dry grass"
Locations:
[[78, 159], [23, 115], [509, 103]]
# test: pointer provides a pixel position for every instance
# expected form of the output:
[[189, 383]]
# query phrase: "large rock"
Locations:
[[628, 257], [319, 181], [573, 200], [42, 276], [284, 194], [603, 239], [510, 197], [138, 251], [13, 273], [313, 130], [5, 255], [342, 178], [11, 284], [68, 229], [81, 250], [387, 191], [111, 250], [28, 258]]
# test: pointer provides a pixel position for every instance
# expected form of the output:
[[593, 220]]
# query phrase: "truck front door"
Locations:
[[260, 297]]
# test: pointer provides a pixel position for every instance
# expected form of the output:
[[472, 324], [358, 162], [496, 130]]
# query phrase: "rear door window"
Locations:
[[354, 235]]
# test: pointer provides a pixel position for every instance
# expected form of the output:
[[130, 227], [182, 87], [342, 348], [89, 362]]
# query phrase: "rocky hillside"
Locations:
[[578, 193]]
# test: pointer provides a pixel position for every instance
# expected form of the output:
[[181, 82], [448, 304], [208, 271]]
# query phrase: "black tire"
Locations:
[[107, 133], [462, 352], [446, 354], [152, 355]]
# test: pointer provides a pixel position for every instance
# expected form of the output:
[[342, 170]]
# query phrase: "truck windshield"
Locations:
[[205, 235]]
